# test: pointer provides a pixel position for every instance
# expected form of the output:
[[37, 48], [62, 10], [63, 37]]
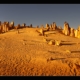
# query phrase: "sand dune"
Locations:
[[27, 54]]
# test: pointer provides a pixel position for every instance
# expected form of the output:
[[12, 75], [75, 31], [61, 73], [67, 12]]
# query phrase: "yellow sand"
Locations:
[[27, 54]]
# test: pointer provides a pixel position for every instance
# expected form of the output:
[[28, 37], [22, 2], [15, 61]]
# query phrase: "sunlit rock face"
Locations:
[[72, 32], [59, 27], [6, 26], [78, 28], [47, 27], [66, 29], [51, 42], [23, 25], [51, 27], [54, 26], [3, 28], [76, 33], [78, 36], [42, 32], [12, 25]]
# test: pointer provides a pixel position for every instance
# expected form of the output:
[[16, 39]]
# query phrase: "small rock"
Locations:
[[45, 40], [51, 42], [68, 51], [24, 43], [57, 42]]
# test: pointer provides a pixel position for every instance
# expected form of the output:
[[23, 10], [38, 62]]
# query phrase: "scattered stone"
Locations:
[[51, 42], [57, 42], [68, 51], [45, 40], [24, 43]]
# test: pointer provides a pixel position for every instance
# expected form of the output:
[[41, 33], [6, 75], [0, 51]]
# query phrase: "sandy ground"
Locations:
[[27, 54]]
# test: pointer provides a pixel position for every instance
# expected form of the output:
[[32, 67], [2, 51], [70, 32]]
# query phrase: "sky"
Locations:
[[40, 14]]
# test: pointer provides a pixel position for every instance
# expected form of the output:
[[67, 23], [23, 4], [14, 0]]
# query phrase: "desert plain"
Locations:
[[26, 53]]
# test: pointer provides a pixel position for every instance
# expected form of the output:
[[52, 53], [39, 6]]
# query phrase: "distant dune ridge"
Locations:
[[26, 50]]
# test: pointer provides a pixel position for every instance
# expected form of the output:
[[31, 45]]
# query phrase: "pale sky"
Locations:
[[40, 14]]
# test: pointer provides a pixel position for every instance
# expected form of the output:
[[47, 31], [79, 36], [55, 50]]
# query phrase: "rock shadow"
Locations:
[[68, 43], [65, 41], [57, 58], [75, 51], [51, 51], [51, 59]]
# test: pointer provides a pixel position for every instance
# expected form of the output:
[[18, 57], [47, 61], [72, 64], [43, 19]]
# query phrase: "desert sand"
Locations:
[[28, 54]]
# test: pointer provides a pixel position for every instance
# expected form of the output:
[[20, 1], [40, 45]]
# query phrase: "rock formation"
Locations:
[[30, 25], [54, 26], [42, 32], [66, 29], [47, 27], [51, 27], [72, 32], [51, 42], [57, 42], [23, 25], [76, 33]]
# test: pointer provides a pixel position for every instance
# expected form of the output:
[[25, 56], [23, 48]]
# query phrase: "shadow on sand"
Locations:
[[68, 43], [20, 32], [57, 58], [75, 51], [51, 59], [52, 51], [65, 41], [52, 33]]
